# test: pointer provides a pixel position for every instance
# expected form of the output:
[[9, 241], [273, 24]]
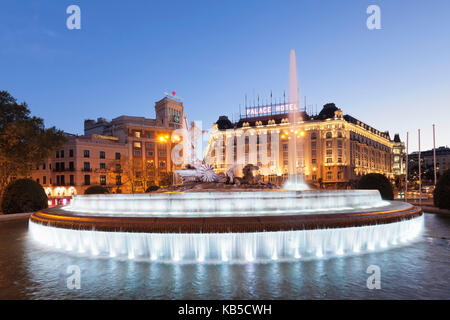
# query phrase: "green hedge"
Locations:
[[23, 195], [152, 188], [441, 194], [96, 190], [379, 182]]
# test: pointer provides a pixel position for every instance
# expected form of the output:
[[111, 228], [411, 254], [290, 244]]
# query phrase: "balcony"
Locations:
[[86, 169], [63, 170]]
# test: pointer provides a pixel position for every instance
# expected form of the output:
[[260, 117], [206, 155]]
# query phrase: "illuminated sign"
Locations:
[[272, 109], [99, 136]]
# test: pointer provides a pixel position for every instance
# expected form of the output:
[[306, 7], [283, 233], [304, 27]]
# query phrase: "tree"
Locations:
[[23, 195], [441, 194], [379, 182], [24, 141]]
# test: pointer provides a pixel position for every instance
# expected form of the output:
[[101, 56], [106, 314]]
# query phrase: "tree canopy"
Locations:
[[24, 140], [379, 182]]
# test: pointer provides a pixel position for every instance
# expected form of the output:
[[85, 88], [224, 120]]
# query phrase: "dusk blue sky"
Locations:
[[212, 53]]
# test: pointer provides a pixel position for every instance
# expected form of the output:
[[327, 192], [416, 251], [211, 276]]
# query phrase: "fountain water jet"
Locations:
[[296, 180]]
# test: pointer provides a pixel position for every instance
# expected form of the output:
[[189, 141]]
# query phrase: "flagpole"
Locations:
[[406, 167], [434, 155], [420, 174]]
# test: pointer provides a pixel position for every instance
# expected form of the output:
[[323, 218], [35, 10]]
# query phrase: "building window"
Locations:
[[102, 155], [87, 180], [339, 143], [313, 160], [149, 146], [313, 136], [62, 153], [137, 144], [103, 180], [72, 180], [329, 144], [162, 154], [285, 146], [285, 162], [118, 180], [137, 153], [339, 175], [328, 135], [313, 144], [137, 134], [329, 175], [329, 160], [329, 151], [314, 177], [102, 165], [57, 154], [150, 153], [71, 166], [339, 134], [117, 155], [339, 160], [71, 153], [149, 135], [86, 153], [87, 166], [162, 164]]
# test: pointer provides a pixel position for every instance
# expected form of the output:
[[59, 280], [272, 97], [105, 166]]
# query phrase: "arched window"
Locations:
[[328, 135]]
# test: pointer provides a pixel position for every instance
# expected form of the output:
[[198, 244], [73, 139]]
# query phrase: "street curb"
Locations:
[[14, 216], [430, 209]]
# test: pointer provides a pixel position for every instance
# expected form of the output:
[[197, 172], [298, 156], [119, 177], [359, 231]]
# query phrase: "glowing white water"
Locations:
[[192, 204], [229, 247], [296, 180]]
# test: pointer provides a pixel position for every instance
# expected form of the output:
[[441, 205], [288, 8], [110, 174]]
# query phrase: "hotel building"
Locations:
[[333, 150], [126, 154]]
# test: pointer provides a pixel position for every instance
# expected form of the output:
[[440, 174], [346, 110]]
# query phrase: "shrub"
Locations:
[[152, 188], [379, 182], [23, 195], [441, 194], [96, 190]]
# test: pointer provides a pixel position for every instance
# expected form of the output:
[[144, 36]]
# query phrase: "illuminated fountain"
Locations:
[[217, 224]]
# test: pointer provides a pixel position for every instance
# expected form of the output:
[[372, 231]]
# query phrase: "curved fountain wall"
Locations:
[[237, 203], [225, 247]]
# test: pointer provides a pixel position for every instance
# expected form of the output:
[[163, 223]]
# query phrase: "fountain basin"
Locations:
[[255, 226]]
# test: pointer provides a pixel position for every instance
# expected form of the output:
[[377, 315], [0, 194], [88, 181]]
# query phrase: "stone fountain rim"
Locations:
[[59, 218]]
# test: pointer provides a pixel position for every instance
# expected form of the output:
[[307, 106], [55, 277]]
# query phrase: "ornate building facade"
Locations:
[[126, 155], [332, 150]]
